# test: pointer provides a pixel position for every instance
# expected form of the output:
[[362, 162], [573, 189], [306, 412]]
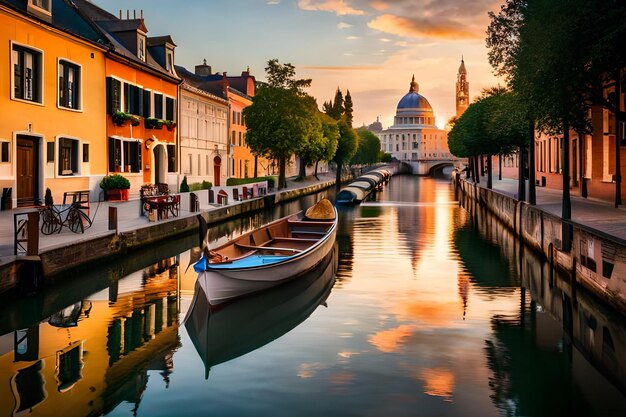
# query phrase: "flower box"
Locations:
[[117, 194]]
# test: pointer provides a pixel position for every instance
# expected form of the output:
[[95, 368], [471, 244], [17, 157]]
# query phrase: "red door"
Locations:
[[26, 171], [217, 165]]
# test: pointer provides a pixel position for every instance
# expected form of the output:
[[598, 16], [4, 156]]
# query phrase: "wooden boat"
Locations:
[[233, 329], [270, 255]]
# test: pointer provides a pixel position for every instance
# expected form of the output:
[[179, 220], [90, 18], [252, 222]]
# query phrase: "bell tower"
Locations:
[[462, 90]]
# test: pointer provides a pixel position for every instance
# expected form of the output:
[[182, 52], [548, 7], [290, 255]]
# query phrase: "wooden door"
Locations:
[[217, 165], [26, 171]]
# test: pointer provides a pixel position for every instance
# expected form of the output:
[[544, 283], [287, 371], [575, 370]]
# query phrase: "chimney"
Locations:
[[120, 14], [203, 70]]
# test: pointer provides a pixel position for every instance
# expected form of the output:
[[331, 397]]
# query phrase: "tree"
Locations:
[[368, 150], [348, 108], [348, 143], [279, 120], [335, 108]]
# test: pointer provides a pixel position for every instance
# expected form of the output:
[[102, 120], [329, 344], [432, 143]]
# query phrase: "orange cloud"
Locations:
[[338, 68], [421, 28], [389, 341], [379, 5], [339, 7]]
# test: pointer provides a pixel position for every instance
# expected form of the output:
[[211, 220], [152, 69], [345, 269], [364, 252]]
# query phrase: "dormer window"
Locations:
[[169, 62], [141, 48], [40, 8]]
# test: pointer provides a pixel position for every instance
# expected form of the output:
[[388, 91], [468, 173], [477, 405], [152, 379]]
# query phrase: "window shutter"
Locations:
[[111, 155], [110, 95], [169, 108], [127, 100], [146, 103]]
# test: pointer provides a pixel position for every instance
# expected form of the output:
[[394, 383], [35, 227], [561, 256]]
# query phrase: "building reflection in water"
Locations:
[[570, 331], [95, 353]]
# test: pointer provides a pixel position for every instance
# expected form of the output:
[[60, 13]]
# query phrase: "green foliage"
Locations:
[[348, 143], [204, 185], [184, 187], [114, 182], [384, 157], [271, 180], [492, 125], [348, 108], [120, 117], [368, 150], [280, 121]]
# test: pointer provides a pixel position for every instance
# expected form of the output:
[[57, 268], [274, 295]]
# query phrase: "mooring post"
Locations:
[[113, 218]]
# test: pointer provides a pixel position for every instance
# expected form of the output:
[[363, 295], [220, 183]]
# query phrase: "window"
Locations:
[[27, 74], [69, 85], [170, 62], [85, 152], [141, 49], [147, 103], [158, 105], [133, 102], [171, 158], [124, 155], [4, 152], [114, 95], [68, 156], [42, 4], [170, 105]]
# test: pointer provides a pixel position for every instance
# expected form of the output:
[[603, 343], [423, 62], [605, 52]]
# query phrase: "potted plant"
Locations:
[[115, 187], [170, 125], [153, 123]]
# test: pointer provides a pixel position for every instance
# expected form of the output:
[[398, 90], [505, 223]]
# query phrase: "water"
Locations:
[[421, 310]]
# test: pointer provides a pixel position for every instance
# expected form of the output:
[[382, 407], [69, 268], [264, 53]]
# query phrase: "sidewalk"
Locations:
[[128, 214], [595, 214]]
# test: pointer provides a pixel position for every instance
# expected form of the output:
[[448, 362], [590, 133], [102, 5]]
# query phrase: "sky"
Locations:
[[370, 47]]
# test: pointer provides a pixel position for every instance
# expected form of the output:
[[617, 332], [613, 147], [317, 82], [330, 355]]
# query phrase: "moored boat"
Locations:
[[233, 329], [270, 255]]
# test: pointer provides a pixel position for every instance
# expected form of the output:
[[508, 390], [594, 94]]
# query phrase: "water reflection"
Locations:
[[221, 333], [99, 348], [578, 365]]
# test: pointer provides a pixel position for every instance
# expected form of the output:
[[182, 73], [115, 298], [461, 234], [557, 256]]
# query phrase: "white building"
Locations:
[[203, 135], [414, 135]]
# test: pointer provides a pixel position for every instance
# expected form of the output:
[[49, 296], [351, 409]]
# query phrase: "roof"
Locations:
[[414, 100], [462, 69], [65, 16], [111, 26], [212, 84]]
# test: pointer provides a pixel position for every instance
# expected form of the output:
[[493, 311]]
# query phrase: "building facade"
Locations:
[[141, 99], [203, 135], [52, 126], [414, 135]]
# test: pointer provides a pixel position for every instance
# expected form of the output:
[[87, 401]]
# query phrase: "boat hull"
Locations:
[[224, 284]]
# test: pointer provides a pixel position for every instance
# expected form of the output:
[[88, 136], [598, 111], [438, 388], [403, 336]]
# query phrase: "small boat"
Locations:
[[234, 329], [270, 255]]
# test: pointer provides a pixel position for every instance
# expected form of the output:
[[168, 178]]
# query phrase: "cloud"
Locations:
[[351, 38], [385, 40], [340, 68], [339, 7], [273, 2], [421, 28], [379, 5], [391, 340], [344, 25]]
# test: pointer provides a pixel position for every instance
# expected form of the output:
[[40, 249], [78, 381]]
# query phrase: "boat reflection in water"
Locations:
[[232, 329]]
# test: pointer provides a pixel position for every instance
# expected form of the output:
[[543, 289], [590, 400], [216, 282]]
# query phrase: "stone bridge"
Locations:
[[431, 166]]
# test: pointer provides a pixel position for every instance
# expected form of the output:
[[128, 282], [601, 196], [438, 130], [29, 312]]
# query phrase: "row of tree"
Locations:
[[284, 120], [559, 58]]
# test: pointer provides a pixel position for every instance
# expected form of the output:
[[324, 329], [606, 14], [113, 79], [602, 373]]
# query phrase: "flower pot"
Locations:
[[117, 194]]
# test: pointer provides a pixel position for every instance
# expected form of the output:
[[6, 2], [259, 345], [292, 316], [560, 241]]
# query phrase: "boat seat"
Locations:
[[295, 239], [268, 248]]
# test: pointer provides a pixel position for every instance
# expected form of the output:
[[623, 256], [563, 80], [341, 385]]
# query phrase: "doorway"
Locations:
[[217, 166], [27, 171]]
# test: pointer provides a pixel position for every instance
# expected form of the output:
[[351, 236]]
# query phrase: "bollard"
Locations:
[[194, 204], [113, 218]]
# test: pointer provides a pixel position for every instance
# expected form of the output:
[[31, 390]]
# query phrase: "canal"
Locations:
[[423, 309]]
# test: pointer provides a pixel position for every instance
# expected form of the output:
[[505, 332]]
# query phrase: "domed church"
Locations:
[[414, 135]]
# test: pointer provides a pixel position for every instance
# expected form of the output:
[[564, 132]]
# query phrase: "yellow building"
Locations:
[[50, 127]]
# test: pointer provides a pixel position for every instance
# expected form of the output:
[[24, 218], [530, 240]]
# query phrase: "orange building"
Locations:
[[592, 156], [141, 99], [52, 125]]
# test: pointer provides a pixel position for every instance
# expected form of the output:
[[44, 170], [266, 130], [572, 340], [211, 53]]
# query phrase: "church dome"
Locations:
[[413, 100]]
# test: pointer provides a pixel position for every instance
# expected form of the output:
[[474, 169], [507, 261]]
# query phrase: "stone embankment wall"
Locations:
[[595, 259], [26, 273]]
